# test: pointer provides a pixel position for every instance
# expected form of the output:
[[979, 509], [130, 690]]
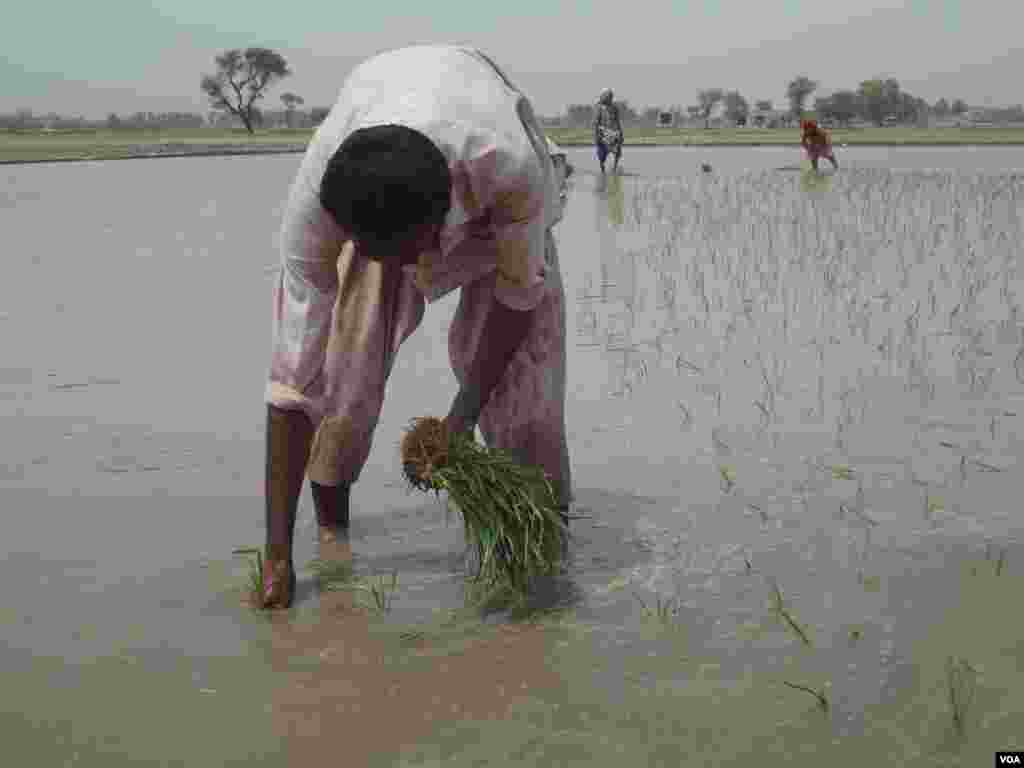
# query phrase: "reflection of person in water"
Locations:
[[611, 198], [616, 201], [816, 143], [607, 130]]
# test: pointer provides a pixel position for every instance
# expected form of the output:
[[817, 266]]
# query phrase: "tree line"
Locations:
[[876, 100], [242, 78]]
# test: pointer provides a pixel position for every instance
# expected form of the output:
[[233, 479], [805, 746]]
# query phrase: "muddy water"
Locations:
[[738, 420], [686, 161]]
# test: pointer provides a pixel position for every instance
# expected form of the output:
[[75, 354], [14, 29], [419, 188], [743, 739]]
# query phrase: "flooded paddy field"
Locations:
[[794, 416]]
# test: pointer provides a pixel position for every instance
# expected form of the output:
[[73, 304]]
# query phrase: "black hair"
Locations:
[[385, 183]]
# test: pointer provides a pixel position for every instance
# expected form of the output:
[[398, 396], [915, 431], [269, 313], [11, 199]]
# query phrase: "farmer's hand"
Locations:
[[463, 413], [458, 425]]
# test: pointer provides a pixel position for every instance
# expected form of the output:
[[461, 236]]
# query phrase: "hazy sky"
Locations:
[[125, 56]]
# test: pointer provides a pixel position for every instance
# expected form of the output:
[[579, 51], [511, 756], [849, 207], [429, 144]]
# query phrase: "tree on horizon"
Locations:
[[291, 101], [242, 79], [707, 100]]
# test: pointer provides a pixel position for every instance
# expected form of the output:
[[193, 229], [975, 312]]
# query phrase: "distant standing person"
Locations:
[[607, 130], [816, 143]]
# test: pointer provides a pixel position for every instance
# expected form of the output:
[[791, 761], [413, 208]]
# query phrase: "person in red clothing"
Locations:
[[816, 143]]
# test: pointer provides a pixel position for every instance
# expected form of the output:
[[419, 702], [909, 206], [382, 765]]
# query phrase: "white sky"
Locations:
[[147, 55]]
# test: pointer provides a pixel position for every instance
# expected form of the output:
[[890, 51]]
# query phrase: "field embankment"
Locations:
[[108, 144]]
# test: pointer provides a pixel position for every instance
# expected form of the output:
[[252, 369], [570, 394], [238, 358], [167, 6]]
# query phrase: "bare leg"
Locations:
[[332, 509], [289, 435]]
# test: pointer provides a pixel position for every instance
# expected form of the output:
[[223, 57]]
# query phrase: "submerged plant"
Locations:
[[728, 476], [961, 685], [380, 592], [663, 611], [333, 575], [783, 612], [1000, 562], [255, 583], [841, 472], [819, 695]]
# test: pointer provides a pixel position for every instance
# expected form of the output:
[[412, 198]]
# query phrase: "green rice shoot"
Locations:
[[254, 588], [961, 684], [509, 511]]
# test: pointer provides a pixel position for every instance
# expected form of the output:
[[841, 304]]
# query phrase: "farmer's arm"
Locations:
[[503, 333], [303, 302], [519, 252]]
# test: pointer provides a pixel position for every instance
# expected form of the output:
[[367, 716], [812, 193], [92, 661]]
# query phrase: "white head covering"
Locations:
[[606, 95]]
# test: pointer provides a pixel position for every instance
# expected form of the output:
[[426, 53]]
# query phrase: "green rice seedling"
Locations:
[[820, 695], [961, 686], [255, 580], [1000, 562], [766, 417], [984, 467], [509, 511], [841, 472], [664, 611], [760, 511], [870, 583], [490, 597], [728, 477], [783, 612], [380, 592], [333, 575]]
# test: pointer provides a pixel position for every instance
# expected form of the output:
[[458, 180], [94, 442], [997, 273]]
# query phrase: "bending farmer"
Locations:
[[429, 174], [607, 130], [816, 143]]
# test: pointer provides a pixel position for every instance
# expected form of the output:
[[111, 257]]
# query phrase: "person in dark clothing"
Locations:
[[607, 130]]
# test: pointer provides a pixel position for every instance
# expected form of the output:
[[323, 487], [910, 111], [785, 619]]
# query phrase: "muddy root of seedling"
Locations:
[[425, 449]]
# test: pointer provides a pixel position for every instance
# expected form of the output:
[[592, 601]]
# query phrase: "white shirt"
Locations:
[[497, 153]]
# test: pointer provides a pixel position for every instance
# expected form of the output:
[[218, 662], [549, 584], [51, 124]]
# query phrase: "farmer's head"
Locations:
[[606, 96], [389, 187]]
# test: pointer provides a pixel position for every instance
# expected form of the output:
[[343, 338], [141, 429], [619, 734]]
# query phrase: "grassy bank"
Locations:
[[105, 144]]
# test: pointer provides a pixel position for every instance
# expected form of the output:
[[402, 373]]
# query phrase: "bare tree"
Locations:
[[242, 79], [291, 101]]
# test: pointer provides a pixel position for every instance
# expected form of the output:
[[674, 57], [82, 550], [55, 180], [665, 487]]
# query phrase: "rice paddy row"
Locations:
[[777, 303]]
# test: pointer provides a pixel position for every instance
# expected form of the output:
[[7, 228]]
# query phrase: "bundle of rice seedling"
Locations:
[[509, 511]]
